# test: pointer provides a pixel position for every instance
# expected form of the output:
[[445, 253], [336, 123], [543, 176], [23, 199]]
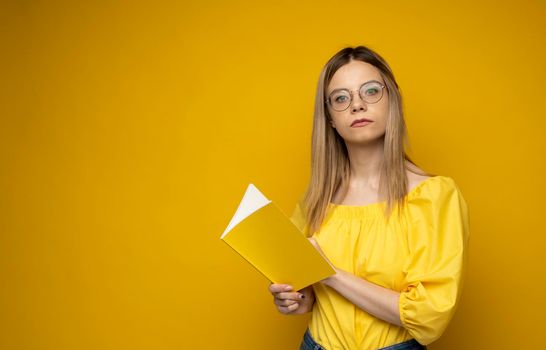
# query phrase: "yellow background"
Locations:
[[129, 130]]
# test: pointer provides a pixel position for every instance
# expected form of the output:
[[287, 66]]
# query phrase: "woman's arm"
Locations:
[[376, 300]]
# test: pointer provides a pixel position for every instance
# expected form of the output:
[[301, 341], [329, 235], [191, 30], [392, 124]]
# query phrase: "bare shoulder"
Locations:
[[415, 179], [415, 175]]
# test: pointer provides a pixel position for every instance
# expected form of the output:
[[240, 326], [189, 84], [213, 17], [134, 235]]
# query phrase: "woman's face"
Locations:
[[351, 76]]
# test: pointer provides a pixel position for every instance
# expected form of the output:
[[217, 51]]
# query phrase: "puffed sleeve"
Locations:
[[298, 218], [438, 239]]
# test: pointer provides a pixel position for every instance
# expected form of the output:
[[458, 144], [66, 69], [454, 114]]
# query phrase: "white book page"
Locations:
[[252, 201]]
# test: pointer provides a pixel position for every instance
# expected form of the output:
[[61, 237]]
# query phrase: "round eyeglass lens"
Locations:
[[371, 92], [340, 100]]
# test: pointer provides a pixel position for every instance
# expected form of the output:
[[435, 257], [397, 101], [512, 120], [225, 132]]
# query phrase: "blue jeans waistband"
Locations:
[[308, 343]]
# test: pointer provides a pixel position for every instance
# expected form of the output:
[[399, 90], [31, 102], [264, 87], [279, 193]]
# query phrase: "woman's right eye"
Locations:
[[340, 99]]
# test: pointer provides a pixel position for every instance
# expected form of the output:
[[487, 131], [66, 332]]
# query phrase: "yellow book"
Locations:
[[266, 237]]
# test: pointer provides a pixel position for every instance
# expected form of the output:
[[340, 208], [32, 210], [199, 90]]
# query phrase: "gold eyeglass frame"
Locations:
[[351, 92]]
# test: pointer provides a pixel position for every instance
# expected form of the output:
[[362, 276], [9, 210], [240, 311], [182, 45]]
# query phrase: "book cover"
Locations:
[[266, 238]]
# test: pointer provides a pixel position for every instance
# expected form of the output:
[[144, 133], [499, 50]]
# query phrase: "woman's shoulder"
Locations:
[[415, 179], [430, 185], [436, 198]]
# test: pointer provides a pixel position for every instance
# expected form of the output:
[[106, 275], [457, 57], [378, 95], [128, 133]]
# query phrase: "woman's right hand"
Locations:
[[290, 302]]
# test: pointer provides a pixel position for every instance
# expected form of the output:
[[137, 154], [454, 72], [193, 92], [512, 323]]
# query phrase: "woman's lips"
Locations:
[[360, 123]]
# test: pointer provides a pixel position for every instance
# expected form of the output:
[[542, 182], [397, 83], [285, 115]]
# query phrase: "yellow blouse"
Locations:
[[422, 255]]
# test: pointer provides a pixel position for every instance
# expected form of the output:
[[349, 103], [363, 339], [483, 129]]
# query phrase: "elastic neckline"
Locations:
[[375, 204]]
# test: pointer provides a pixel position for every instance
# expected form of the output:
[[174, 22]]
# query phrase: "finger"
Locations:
[[284, 302], [277, 288], [292, 296], [289, 309]]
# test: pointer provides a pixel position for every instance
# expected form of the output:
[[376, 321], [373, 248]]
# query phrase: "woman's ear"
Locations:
[[332, 123]]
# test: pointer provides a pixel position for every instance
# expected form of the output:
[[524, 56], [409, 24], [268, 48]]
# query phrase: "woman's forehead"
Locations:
[[354, 74]]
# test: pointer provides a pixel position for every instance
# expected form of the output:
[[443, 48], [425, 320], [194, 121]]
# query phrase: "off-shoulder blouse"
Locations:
[[421, 254]]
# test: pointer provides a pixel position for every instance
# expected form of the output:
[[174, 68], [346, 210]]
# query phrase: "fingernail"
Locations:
[[288, 288]]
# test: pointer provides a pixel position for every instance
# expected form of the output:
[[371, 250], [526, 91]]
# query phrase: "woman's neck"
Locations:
[[366, 161]]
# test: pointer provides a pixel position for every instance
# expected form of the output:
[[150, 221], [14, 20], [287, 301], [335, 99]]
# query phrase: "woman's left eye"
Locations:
[[371, 91]]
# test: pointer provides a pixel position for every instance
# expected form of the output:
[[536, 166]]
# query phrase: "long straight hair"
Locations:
[[330, 165]]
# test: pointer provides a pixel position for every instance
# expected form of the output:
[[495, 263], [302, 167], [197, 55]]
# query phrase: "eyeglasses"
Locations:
[[341, 99]]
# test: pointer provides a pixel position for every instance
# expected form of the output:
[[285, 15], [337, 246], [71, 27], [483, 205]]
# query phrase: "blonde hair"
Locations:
[[330, 167]]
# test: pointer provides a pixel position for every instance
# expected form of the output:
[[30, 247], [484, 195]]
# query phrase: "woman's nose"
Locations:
[[358, 105]]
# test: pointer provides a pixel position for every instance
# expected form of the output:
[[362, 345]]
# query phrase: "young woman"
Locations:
[[397, 235]]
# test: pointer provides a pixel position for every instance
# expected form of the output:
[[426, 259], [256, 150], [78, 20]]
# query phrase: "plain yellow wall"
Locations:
[[129, 130]]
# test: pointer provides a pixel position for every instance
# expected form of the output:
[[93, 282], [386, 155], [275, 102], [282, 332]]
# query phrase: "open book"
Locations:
[[263, 235]]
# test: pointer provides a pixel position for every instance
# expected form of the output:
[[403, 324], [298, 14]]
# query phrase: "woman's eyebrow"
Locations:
[[366, 82]]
